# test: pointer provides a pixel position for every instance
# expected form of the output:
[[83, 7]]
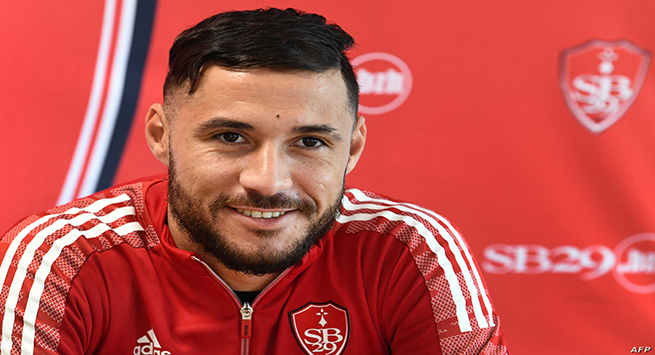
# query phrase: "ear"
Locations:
[[158, 132], [357, 143]]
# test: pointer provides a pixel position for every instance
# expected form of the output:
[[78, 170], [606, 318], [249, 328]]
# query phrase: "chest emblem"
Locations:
[[321, 328]]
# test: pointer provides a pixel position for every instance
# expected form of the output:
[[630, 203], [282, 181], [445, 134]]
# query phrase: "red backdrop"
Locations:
[[531, 125]]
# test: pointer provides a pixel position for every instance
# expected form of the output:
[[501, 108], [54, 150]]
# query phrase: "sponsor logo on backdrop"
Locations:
[[600, 80], [321, 328], [385, 82], [632, 261]]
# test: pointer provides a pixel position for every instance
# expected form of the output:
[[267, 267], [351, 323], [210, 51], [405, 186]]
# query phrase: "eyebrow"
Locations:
[[320, 129], [220, 122]]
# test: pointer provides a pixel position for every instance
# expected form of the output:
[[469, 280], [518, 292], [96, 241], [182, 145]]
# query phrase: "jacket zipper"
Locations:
[[246, 328], [245, 309], [246, 320]]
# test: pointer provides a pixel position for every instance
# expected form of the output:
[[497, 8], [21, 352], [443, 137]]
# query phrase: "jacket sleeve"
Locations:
[[35, 273], [438, 297], [45, 308], [435, 300]]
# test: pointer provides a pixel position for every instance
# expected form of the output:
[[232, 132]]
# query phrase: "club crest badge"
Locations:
[[321, 328], [600, 80]]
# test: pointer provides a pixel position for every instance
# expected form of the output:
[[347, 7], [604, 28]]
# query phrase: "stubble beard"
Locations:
[[201, 227]]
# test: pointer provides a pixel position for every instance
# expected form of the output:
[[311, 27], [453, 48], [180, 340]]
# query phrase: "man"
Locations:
[[252, 245]]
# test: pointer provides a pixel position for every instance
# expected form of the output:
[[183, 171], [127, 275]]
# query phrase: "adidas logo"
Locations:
[[149, 345]]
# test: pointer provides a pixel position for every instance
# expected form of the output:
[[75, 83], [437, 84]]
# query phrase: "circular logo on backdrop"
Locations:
[[635, 258], [384, 82]]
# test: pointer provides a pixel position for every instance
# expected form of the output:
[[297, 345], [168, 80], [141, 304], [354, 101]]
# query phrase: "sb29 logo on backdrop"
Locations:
[[632, 262], [600, 80], [384, 82]]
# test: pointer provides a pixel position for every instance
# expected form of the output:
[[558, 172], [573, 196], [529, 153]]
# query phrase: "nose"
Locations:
[[266, 171]]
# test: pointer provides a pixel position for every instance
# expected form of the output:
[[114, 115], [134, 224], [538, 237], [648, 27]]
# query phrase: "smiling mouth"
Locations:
[[260, 214]]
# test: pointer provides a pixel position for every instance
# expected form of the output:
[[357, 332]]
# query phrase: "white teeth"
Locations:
[[245, 212], [259, 214]]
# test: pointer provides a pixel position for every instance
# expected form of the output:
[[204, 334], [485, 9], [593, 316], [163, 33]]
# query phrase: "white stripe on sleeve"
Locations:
[[34, 299]]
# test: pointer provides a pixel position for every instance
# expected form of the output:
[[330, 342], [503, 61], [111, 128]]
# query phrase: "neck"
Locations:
[[238, 281]]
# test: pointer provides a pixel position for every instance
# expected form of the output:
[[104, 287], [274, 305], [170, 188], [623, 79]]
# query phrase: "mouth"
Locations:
[[261, 214]]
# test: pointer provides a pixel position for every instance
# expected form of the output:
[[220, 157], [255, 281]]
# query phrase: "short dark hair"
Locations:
[[274, 39]]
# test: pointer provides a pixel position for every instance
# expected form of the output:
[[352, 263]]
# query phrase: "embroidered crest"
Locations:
[[600, 80], [321, 328]]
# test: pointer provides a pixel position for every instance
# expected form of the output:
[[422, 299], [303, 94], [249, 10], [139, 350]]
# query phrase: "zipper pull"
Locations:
[[246, 320]]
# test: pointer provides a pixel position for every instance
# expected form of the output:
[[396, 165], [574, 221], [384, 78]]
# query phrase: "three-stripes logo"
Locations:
[[149, 345]]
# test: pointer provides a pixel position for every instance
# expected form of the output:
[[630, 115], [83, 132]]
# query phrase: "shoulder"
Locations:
[[61, 239], [407, 222], [64, 236], [112, 214]]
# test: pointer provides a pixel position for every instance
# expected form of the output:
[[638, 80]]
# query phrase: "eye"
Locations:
[[311, 142], [231, 137]]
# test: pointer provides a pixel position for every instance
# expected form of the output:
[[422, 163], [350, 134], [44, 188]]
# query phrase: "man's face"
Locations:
[[257, 161]]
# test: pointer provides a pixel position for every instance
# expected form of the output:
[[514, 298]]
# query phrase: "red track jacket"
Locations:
[[101, 275]]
